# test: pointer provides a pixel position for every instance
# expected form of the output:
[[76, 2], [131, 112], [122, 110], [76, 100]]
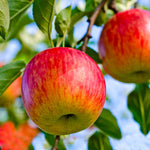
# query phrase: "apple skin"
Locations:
[[124, 46], [63, 90], [16, 139], [11, 93]]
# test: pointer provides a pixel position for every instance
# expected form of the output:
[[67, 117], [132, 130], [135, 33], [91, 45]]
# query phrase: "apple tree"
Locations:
[[122, 51]]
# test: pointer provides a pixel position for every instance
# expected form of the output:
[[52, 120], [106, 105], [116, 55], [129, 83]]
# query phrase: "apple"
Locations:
[[11, 93], [16, 139], [124, 46], [63, 90]]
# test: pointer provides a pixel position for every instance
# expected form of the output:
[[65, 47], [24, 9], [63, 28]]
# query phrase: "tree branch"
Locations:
[[56, 142], [112, 6], [91, 23], [135, 4]]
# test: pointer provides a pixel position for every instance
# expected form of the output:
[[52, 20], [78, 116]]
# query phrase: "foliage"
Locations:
[[14, 20], [99, 141], [8, 73], [139, 104], [108, 125]]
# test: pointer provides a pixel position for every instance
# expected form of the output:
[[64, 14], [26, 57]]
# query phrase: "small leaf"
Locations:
[[93, 54], [8, 73], [43, 12], [30, 147], [17, 9], [139, 105], [107, 124], [51, 140], [62, 22], [78, 15], [99, 141], [4, 18]]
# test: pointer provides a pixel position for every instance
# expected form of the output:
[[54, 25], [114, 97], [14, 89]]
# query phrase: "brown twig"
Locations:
[[136, 4], [56, 142], [91, 21], [112, 6]]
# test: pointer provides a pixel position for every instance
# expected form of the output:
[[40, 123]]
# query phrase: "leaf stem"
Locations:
[[142, 112], [64, 40], [91, 23], [51, 41], [56, 142]]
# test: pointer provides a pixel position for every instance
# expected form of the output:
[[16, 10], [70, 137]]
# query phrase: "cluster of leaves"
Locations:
[[14, 18]]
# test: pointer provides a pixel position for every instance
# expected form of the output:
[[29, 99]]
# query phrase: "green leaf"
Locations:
[[71, 39], [91, 4], [4, 18], [24, 20], [8, 73], [104, 14], [139, 105], [77, 16], [17, 9], [99, 141], [51, 140], [101, 19], [59, 41], [62, 22], [30, 147], [43, 12], [107, 124], [93, 54]]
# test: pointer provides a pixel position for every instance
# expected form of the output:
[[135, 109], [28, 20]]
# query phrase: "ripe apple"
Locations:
[[124, 46], [16, 139], [11, 93], [63, 90]]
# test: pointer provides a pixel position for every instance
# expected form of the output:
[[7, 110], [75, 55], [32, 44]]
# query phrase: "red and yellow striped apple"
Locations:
[[124, 46], [63, 90], [11, 93]]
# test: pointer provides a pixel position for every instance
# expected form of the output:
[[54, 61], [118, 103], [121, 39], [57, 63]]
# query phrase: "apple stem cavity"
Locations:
[[69, 116], [112, 6], [91, 21], [57, 138]]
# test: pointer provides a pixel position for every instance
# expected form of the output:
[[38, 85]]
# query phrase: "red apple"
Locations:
[[63, 90], [11, 93], [124, 46], [16, 139]]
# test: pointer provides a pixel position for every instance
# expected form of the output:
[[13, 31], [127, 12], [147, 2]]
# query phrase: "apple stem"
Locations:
[[112, 6], [91, 21], [56, 142]]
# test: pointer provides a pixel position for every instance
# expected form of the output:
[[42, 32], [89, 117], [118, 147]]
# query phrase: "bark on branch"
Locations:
[[91, 20], [112, 6]]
